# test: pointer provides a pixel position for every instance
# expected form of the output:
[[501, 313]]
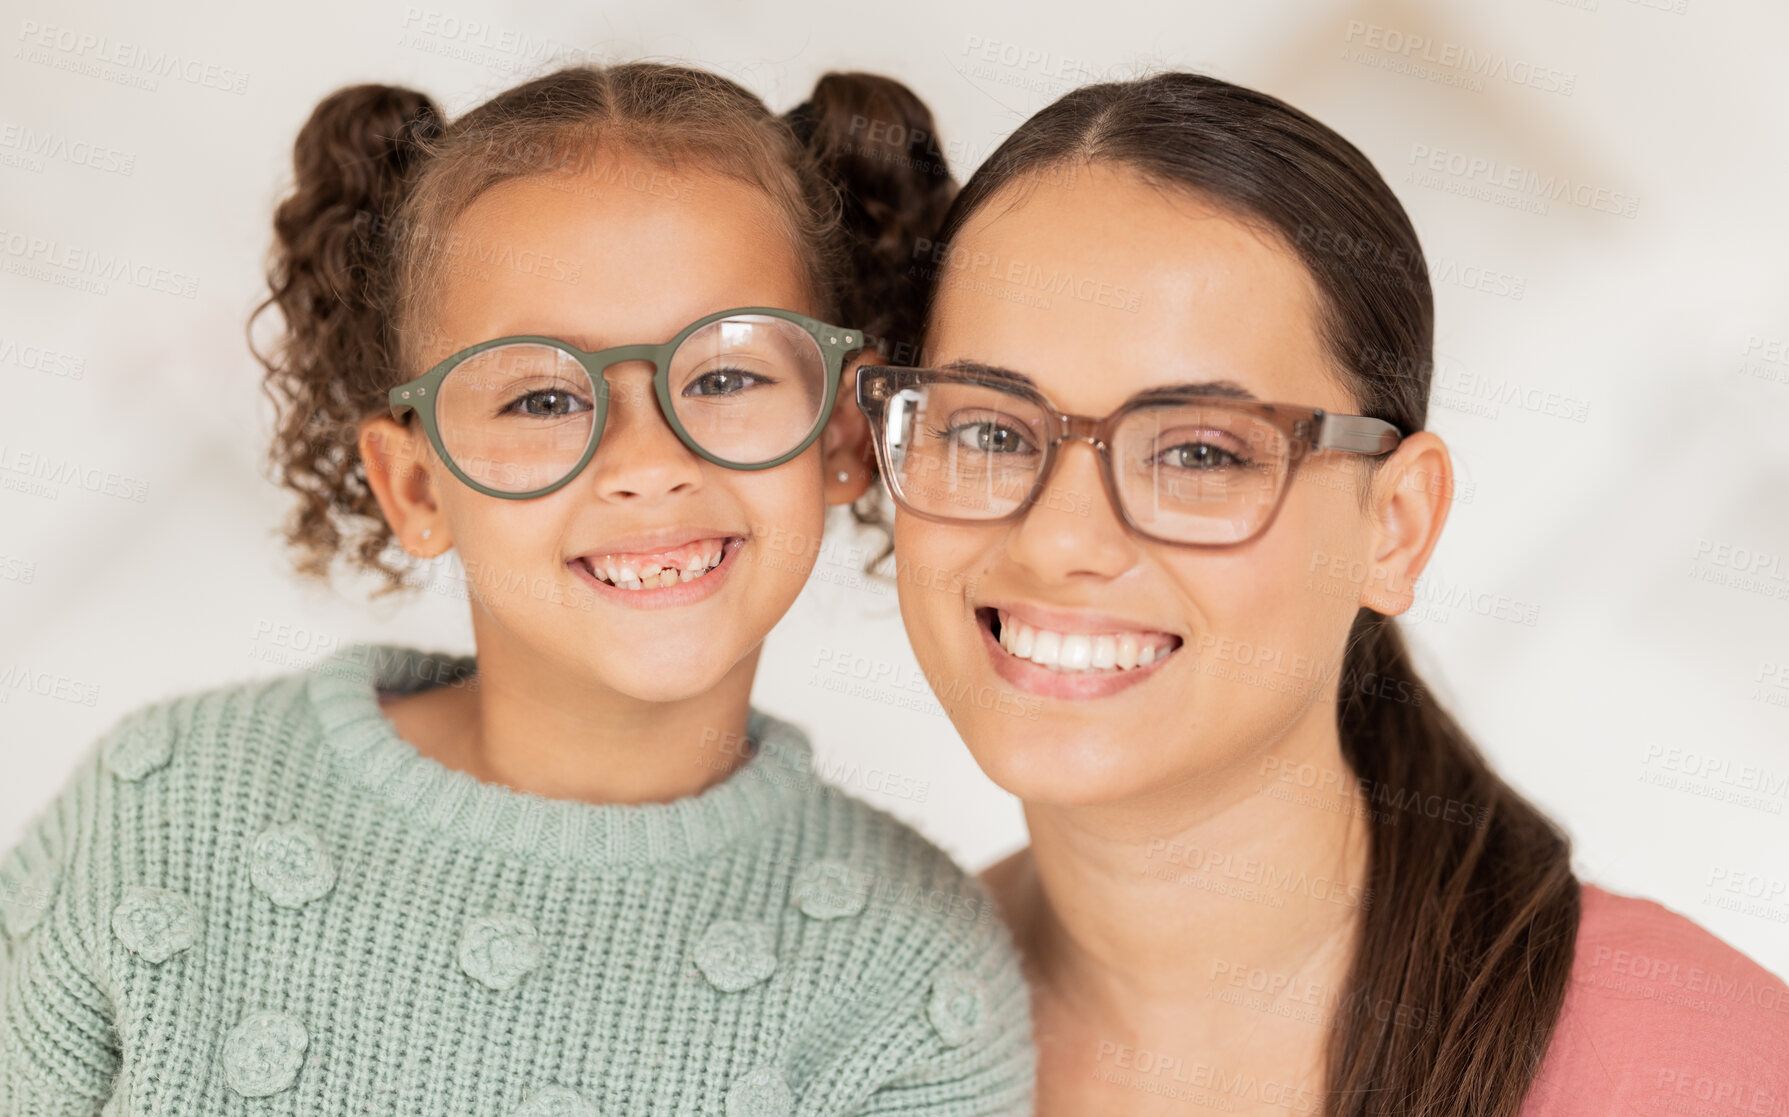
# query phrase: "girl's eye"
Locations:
[[1198, 456], [723, 382], [988, 437], [548, 403]]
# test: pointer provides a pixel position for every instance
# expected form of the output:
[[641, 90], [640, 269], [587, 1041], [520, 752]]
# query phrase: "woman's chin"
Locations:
[[1042, 770]]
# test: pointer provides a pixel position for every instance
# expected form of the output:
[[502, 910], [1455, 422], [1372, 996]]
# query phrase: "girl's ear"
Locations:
[[400, 472], [845, 448]]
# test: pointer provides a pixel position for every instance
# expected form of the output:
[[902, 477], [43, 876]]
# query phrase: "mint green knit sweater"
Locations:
[[260, 900]]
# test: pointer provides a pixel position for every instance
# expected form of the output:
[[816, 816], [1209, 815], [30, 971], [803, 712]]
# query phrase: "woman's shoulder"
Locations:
[[1660, 1014]]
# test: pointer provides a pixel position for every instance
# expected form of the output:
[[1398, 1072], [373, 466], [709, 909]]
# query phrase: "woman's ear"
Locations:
[[402, 473], [1411, 496], [846, 452]]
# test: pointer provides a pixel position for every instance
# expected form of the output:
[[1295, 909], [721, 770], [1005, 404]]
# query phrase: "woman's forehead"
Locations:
[[1103, 271]]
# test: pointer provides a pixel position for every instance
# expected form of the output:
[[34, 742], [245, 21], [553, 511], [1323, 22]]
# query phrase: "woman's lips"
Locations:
[[1073, 665], [705, 564]]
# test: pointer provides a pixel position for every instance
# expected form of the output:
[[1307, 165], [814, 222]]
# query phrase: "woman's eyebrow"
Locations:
[[1229, 389]]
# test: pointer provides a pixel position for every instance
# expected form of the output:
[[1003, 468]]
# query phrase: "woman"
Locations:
[[1171, 432]]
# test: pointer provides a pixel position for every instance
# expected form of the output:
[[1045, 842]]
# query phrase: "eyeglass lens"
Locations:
[[517, 418], [1194, 472]]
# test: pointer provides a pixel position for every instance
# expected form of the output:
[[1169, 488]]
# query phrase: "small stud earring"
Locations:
[[843, 476]]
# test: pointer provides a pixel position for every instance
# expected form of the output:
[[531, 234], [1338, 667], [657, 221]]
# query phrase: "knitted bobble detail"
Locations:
[[735, 955], [262, 1054], [830, 889], [761, 1093], [958, 1006], [291, 865], [139, 749], [155, 923], [498, 950], [555, 1101], [22, 906]]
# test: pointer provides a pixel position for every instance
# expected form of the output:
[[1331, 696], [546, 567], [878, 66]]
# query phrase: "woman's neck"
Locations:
[[1208, 927], [529, 726]]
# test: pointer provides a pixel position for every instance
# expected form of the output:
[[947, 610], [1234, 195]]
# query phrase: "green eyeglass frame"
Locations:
[[836, 344]]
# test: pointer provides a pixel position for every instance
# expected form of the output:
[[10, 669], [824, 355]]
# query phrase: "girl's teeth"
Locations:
[[653, 576], [1080, 651]]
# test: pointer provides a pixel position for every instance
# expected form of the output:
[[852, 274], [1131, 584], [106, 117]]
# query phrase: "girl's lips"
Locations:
[[664, 597], [1047, 683]]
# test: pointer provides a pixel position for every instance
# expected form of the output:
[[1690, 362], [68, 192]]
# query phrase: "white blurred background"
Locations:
[[1614, 371]]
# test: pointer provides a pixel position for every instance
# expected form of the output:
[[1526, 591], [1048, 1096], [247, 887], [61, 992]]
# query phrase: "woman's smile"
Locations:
[[1070, 654]]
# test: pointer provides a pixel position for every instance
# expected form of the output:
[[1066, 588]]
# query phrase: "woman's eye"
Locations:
[[990, 438], [723, 382], [1198, 455], [548, 403]]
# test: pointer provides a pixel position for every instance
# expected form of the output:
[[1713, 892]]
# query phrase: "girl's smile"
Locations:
[[646, 572]]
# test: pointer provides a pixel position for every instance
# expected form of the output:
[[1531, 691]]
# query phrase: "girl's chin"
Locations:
[[673, 684]]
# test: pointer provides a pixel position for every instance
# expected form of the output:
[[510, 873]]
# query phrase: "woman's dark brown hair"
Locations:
[[381, 175], [1466, 947]]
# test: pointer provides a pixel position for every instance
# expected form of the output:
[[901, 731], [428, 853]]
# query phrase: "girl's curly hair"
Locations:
[[381, 175]]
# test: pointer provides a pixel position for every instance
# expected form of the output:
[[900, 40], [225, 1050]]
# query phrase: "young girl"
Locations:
[[590, 335], [1268, 872]]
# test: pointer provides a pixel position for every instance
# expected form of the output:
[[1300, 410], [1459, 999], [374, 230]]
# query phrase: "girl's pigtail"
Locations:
[[328, 277], [876, 142]]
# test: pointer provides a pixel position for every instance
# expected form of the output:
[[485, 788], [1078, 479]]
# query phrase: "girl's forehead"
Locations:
[[598, 260]]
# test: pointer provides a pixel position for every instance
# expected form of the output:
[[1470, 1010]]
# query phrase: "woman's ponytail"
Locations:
[[328, 275]]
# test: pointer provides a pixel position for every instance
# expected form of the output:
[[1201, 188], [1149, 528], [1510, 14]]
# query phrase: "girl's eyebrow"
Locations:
[[1229, 389]]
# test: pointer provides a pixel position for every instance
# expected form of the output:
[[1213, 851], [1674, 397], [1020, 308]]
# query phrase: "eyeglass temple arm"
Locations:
[[1356, 434]]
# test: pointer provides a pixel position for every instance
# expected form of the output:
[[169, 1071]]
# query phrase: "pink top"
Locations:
[[1663, 1018]]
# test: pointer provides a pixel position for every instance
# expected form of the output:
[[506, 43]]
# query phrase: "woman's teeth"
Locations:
[[1083, 651], [652, 575]]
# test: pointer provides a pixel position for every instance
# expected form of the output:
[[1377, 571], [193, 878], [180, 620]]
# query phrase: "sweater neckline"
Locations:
[[343, 690]]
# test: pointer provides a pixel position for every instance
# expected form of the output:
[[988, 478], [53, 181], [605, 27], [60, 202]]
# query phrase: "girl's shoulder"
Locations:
[[1661, 1014], [118, 796], [903, 874]]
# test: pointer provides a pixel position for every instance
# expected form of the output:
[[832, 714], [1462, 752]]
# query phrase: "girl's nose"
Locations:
[[638, 455]]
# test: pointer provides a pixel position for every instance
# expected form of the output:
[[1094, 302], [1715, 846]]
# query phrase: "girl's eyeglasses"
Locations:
[[519, 417], [971, 444]]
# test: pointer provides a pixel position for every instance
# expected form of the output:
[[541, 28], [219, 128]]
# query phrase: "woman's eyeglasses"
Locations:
[[970, 444], [519, 417]]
